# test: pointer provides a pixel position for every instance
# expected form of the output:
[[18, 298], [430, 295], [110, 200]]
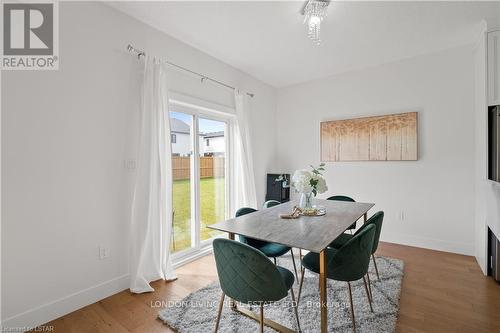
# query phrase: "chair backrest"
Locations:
[[341, 198], [246, 274], [271, 203], [241, 212], [376, 219], [244, 211], [344, 198], [351, 261]]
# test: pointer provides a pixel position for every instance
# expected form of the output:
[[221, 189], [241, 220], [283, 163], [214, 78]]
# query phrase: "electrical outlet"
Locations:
[[103, 252], [130, 165]]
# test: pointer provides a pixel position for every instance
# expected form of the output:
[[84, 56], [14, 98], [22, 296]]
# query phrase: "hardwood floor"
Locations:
[[441, 292]]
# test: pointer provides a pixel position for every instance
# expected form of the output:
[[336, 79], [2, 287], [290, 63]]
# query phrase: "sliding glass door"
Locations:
[[212, 166], [200, 182], [181, 129]]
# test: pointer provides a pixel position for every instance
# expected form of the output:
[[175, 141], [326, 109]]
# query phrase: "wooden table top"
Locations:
[[312, 233]]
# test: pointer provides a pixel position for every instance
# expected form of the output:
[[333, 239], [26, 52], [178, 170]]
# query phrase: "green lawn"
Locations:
[[212, 199]]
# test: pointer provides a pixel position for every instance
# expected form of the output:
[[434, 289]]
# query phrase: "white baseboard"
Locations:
[[60, 307], [428, 243]]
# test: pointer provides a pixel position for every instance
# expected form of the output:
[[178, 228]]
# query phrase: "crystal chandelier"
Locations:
[[315, 12]]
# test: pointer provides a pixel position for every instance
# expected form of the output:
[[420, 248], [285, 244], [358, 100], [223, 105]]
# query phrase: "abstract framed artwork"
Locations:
[[379, 138]]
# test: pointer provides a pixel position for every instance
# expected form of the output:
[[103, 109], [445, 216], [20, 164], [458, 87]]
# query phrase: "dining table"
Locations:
[[310, 233]]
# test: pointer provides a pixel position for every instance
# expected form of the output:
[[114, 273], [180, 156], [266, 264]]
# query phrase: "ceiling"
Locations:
[[268, 39]]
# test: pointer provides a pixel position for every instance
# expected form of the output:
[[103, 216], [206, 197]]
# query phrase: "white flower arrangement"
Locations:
[[305, 181]]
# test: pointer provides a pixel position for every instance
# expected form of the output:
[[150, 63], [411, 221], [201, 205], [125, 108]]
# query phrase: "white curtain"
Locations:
[[244, 194], [152, 202]]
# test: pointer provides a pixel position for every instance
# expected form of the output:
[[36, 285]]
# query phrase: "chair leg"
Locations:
[[368, 294], [300, 257], [352, 307], [302, 273], [369, 285], [295, 307], [274, 261], [221, 304], [375, 264], [294, 266], [262, 318]]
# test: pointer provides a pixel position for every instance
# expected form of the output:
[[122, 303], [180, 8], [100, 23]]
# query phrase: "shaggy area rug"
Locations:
[[198, 311]]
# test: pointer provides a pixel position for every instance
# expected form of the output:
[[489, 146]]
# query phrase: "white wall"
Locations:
[[65, 135], [436, 193], [481, 149]]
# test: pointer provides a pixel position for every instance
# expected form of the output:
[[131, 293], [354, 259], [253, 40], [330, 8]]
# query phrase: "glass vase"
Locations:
[[306, 202]]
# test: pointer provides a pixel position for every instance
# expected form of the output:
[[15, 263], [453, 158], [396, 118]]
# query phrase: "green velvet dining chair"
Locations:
[[346, 199], [348, 263], [246, 275], [271, 203], [272, 250], [376, 219]]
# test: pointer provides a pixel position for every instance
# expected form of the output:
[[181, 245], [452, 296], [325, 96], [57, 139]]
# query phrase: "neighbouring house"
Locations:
[[180, 137], [211, 144], [214, 144]]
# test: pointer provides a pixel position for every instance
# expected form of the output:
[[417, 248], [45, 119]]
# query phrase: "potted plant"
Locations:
[[309, 183], [283, 179]]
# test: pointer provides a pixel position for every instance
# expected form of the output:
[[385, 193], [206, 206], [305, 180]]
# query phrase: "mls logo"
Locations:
[[29, 36]]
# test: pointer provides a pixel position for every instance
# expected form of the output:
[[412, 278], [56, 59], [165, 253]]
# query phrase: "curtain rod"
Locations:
[[140, 53]]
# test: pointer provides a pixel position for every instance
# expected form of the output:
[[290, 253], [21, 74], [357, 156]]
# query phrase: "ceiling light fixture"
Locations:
[[314, 12]]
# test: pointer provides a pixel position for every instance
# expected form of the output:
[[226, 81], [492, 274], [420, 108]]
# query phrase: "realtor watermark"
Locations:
[[215, 304], [43, 328], [30, 35]]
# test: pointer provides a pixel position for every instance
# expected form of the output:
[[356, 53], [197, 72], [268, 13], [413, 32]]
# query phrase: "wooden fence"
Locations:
[[209, 167]]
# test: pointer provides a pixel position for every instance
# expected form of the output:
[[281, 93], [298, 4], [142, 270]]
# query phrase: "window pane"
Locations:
[[212, 175], [180, 126]]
